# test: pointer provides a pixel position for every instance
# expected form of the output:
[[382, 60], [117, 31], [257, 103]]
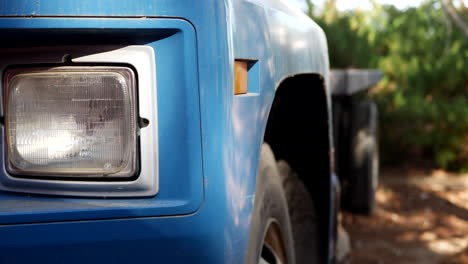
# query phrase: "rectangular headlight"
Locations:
[[71, 122]]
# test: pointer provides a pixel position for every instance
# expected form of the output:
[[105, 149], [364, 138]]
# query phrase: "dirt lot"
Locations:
[[422, 217]]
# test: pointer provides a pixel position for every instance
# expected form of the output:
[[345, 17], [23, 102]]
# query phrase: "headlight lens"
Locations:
[[71, 121]]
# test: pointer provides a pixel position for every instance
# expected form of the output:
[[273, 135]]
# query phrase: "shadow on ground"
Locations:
[[420, 219]]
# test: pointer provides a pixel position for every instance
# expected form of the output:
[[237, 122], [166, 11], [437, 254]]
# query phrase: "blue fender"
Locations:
[[209, 138]]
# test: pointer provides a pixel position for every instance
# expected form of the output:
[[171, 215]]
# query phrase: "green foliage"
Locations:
[[423, 98]]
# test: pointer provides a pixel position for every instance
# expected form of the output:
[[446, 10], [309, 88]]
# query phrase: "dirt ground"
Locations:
[[422, 217]]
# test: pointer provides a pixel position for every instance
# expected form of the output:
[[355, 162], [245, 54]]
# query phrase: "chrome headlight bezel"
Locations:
[[144, 182]]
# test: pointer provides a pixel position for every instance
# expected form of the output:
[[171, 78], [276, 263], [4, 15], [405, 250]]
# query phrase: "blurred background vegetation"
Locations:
[[423, 52]]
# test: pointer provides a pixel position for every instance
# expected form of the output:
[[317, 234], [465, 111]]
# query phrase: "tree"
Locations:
[[457, 19], [423, 98]]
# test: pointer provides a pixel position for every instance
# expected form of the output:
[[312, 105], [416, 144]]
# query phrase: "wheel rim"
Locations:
[[273, 251]]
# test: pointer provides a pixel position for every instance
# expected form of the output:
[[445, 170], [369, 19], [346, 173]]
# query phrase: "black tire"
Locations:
[[364, 161], [302, 214], [270, 207]]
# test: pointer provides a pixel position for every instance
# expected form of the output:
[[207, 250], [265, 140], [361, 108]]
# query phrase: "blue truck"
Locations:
[[163, 131]]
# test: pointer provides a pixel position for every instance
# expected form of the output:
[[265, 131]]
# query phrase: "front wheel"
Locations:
[[303, 216], [270, 238]]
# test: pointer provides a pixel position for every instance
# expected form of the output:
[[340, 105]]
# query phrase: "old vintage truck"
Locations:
[[167, 131]]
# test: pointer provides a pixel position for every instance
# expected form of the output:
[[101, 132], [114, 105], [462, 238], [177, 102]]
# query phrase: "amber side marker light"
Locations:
[[240, 77]]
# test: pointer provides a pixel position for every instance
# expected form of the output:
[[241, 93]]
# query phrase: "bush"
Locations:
[[423, 99]]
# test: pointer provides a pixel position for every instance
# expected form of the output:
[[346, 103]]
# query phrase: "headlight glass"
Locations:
[[71, 121]]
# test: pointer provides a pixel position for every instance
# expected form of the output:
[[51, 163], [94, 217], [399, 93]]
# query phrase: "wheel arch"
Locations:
[[299, 131]]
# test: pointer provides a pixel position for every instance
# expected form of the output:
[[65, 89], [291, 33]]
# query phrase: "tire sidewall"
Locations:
[[269, 206]]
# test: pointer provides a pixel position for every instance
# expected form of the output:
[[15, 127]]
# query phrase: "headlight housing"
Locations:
[[71, 122]]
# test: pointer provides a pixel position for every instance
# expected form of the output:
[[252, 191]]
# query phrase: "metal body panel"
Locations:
[[179, 135], [283, 41]]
